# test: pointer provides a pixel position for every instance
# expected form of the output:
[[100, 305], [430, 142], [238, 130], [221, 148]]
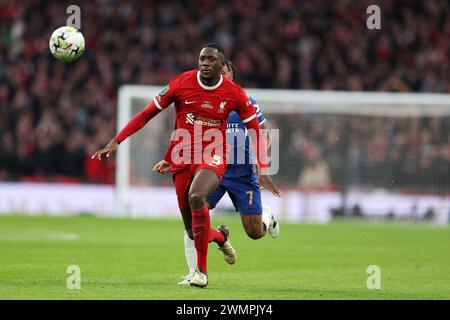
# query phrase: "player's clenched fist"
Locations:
[[108, 150]]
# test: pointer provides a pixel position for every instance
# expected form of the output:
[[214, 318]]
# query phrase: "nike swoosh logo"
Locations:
[[197, 234], [188, 102]]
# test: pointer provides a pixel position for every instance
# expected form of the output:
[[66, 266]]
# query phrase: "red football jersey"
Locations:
[[201, 115], [199, 106]]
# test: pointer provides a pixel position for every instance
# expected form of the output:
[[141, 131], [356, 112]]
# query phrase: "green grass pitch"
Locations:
[[144, 259]]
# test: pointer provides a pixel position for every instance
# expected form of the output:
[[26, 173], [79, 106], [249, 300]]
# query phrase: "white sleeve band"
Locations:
[[249, 119], [157, 104]]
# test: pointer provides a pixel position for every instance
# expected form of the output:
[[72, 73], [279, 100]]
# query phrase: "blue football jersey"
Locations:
[[241, 159]]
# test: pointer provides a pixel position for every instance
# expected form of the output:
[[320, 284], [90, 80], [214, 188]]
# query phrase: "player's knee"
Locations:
[[190, 234], [253, 233], [197, 201]]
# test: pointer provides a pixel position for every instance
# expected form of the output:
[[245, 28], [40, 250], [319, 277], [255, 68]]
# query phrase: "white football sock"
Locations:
[[190, 252], [266, 216]]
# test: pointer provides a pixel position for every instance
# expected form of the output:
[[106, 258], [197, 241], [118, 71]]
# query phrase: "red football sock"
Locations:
[[201, 229], [216, 236]]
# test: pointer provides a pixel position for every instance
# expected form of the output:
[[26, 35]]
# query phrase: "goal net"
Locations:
[[338, 153]]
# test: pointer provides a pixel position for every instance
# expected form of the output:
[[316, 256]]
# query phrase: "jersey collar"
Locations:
[[208, 87]]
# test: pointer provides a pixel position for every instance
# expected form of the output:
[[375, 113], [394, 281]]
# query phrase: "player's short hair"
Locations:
[[215, 46]]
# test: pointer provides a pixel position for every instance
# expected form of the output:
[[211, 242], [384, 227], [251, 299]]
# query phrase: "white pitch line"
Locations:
[[40, 235], [61, 235]]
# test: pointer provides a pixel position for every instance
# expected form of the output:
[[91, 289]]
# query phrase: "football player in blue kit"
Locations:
[[240, 181]]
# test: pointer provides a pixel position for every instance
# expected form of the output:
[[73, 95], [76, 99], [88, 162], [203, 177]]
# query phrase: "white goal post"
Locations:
[[287, 104]]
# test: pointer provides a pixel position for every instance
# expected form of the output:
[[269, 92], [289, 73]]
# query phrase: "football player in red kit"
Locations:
[[202, 100]]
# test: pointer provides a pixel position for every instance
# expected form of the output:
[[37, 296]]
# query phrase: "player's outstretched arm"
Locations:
[[266, 182], [110, 148], [265, 127], [264, 178], [135, 124], [250, 120]]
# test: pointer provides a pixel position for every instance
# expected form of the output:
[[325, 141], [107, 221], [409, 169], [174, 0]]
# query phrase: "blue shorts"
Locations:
[[243, 191]]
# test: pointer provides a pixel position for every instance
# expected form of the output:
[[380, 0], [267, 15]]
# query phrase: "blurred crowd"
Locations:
[[339, 151], [54, 115]]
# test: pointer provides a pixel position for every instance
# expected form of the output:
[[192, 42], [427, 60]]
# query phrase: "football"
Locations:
[[66, 44]]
